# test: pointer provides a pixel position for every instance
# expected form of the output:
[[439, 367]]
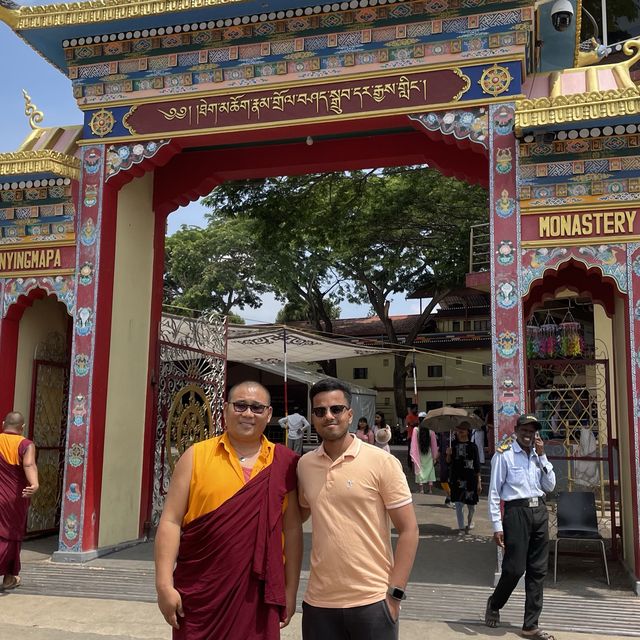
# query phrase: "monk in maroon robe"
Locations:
[[231, 501], [18, 482]]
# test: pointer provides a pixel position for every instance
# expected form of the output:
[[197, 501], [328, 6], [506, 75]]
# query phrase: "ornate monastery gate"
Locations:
[[190, 392]]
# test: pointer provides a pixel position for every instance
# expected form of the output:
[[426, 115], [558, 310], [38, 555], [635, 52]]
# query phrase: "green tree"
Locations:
[[360, 236], [212, 269]]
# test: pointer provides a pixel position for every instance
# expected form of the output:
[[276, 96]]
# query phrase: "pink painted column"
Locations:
[[633, 269], [506, 303], [85, 432]]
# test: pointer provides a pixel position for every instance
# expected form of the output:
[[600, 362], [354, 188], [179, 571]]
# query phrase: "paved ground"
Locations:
[[112, 597], [49, 618]]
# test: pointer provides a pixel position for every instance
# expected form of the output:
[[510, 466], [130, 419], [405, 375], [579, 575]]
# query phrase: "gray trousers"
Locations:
[[295, 444], [369, 622]]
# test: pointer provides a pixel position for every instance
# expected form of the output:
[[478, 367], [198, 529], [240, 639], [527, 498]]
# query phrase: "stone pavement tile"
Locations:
[[84, 617], [24, 617]]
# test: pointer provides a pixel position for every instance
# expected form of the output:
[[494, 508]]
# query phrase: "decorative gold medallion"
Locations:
[[102, 123], [495, 80]]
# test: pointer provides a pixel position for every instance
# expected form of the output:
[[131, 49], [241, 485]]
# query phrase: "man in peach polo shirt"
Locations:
[[221, 569], [351, 489]]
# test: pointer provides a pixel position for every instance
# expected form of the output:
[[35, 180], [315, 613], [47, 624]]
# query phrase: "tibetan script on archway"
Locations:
[[390, 94]]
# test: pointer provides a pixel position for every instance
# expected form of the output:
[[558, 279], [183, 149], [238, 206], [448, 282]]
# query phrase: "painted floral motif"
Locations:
[[71, 527], [92, 161], [124, 157], [76, 455], [79, 410], [84, 321], [503, 120], [503, 161], [507, 344], [81, 364], [89, 233], [473, 125], [90, 195], [86, 274], [509, 399], [505, 206], [636, 266], [73, 492], [543, 255], [61, 286], [505, 252], [507, 295]]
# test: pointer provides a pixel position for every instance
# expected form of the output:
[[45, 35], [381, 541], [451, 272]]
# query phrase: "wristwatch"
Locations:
[[397, 593]]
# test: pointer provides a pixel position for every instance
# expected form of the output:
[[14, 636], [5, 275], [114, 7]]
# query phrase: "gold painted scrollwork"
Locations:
[[189, 421], [465, 88], [125, 120]]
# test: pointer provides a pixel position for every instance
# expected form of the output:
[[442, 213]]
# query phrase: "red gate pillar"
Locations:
[[633, 399], [506, 303], [8, 355], [95, 252]]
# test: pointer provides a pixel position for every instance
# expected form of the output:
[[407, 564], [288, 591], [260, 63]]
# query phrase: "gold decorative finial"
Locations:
[[628, 49], [31, 111]]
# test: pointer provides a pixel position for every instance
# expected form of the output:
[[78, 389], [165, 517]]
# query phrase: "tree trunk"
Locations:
[[329, 367], [400, 386]]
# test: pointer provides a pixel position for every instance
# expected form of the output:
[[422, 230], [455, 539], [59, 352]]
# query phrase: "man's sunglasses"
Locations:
[[336, 410], [241, 407]]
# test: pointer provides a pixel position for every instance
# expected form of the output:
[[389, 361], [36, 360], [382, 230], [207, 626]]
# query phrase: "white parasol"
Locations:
[[446, 418]]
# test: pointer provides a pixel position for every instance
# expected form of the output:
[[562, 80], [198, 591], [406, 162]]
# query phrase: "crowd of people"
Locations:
[[229, 545]]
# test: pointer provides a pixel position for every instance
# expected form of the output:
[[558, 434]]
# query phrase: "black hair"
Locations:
[[383, 422], [367, 428], [330, 384], [424, 440]]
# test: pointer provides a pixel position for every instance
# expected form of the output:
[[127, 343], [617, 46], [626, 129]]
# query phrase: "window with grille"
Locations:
[[360, 373], [434, 371]]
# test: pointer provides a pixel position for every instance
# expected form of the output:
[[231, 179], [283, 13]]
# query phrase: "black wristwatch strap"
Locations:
[[397, 593]]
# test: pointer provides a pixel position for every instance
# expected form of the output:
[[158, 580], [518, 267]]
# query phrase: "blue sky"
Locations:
[[22, 68]]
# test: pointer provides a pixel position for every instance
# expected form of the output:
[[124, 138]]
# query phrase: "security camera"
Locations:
[[561, 15]]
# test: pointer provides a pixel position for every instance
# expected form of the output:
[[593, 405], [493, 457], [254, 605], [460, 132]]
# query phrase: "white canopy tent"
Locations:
[[272, 348], [277, 343], [363, 400]]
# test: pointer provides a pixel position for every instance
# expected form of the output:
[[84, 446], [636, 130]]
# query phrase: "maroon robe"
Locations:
[[13, 512], [230, 567]]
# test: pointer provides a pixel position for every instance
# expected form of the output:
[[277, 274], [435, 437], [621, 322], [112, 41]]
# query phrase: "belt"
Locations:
[[526, 502]]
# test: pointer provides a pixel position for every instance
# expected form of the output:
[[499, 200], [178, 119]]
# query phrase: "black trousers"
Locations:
[[369, 622], [526, 540]]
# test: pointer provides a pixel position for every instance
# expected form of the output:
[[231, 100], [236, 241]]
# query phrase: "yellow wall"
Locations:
[[45, 316], [128, 364], [467, 372], [622, 410]]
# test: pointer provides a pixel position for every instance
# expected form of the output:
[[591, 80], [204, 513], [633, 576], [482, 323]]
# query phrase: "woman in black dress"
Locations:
[[464, 476]]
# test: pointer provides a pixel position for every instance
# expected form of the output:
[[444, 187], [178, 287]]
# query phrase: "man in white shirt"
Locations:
[[297, 425], [521, 474]]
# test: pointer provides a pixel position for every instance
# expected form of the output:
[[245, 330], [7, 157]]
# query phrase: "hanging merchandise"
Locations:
[[571, 339], [533, 338], [549, 346]]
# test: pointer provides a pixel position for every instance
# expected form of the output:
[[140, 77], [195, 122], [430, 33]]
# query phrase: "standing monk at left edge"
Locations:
[[18, 482], [230, 501]]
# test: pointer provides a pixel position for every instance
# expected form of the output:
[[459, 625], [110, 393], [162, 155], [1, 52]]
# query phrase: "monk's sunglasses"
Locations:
[[336, 410], [241, 407]]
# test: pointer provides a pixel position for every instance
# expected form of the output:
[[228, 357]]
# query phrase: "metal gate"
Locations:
[[47, 429], [572, 400], [189, 392]]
